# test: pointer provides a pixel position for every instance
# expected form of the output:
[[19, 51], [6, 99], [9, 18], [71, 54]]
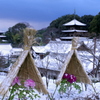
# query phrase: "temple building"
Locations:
[[2, 36], [74, 28]]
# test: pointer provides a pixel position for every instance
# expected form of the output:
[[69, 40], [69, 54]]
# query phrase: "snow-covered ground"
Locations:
[[88, 94], [70, 95]]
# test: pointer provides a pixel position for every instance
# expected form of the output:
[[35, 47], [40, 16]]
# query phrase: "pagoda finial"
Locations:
[[74, 13]]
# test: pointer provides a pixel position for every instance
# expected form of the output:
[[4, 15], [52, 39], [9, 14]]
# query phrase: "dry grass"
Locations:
[[24, 67], [73, 65]]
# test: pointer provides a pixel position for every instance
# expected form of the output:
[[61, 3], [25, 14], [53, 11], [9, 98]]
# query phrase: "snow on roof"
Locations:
[[80, 38], [90, 43], [61, 46], [39, 49], [53, 46], [57, 39], [74, 30], [74, 22], [58, 46], [17, 49], [2, 36], [66, 38], [5, 48], [52, 61], [1, 31]]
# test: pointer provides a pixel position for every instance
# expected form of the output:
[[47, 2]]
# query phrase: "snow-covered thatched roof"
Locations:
[[74, 22]]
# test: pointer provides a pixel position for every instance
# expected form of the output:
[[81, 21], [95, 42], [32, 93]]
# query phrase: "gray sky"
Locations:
[[39, 13]]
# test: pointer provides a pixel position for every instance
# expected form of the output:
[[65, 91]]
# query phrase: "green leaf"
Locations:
[[11, 97], [77, 87]]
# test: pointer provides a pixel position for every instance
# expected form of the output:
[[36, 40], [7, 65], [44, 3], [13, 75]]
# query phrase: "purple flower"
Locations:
[[72, 79], [29, 83], [69, 78], [16, 81], [66, 76]]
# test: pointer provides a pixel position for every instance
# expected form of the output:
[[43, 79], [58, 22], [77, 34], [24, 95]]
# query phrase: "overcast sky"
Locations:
[[39, 13]]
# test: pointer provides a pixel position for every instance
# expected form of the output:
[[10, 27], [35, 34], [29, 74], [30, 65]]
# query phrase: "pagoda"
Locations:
[[73, 28]]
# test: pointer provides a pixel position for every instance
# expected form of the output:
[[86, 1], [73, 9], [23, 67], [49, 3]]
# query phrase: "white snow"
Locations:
[[74, 22], [53, 65], [5, 49], [70, 95], [54, 47]]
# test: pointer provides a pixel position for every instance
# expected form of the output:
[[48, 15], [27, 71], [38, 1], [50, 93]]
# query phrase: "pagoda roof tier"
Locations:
[[74, 30], [74, 22]]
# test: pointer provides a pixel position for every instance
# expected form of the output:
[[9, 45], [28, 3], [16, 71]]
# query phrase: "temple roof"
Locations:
[[74, 30], [74, 22]]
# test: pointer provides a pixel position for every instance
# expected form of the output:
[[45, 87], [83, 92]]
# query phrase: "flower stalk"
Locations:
[[22, 92]]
